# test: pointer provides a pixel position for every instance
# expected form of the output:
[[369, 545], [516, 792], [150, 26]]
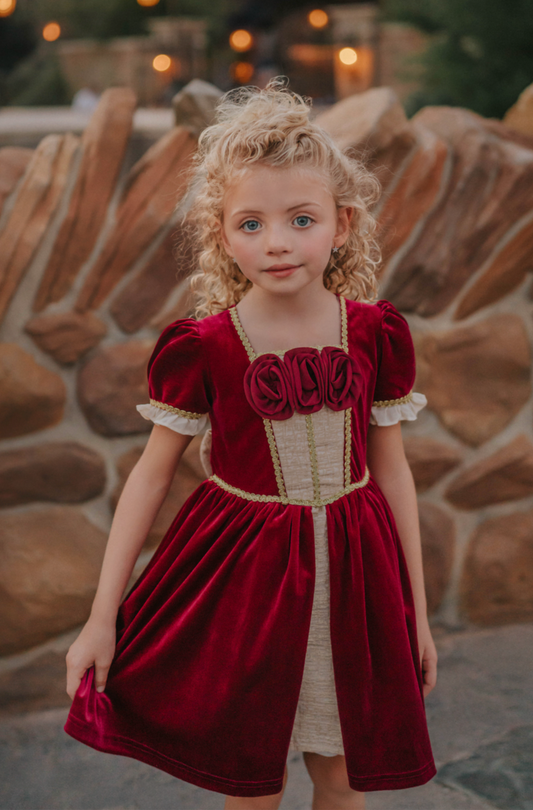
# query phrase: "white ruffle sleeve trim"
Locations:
[[391, 414], [188, 427]]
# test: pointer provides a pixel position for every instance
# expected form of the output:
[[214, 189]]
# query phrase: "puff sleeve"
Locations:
[[394, 398], [178, 380]]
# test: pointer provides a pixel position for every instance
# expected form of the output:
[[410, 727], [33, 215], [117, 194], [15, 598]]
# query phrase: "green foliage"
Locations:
[[36, 81], [480, 54]]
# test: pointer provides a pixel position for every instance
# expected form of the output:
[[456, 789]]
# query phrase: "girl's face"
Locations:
[[280, 226]]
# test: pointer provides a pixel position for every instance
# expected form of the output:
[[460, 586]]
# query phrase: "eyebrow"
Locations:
[[292, 208]]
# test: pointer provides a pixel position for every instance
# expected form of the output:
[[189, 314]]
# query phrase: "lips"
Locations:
[[282, 269]]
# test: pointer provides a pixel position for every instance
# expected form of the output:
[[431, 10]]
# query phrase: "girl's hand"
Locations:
[[94, 645], [428, 656]]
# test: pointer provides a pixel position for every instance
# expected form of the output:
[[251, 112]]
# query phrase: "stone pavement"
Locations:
[[480, 720]]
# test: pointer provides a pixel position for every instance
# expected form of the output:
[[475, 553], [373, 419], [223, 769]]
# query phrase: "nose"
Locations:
[[277, 241]]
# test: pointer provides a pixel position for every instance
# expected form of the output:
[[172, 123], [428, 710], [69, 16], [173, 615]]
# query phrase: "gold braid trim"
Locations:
[[344, 324], [275, 458], [312, 455], [386, 403], [242, 334], [251, 496], [347, 445], [178, 411]]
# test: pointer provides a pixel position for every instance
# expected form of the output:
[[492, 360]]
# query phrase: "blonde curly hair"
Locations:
[[271, 126]]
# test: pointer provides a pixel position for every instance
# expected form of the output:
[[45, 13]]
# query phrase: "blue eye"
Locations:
[[252, 222], [302, 221]]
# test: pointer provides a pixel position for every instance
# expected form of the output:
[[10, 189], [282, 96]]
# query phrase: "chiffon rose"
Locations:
[[343, 380], [268, 387], [308, 379]]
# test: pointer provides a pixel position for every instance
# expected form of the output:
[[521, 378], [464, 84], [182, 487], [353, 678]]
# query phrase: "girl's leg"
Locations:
[[256, 802], [330, 780]]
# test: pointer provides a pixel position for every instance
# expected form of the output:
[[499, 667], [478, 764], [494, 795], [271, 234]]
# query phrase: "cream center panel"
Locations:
[[296, 455]]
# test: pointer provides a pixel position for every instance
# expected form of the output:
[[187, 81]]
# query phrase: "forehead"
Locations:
[[261, 186]]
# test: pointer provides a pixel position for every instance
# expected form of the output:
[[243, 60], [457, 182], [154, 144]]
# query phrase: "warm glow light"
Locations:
[[318, 18], [241, 40], [7, 7], [148, 3], [161, 63], [242, 72], [348, 56], [51, 31]]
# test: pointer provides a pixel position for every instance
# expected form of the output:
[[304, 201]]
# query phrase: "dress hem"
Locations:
[[126, 747]]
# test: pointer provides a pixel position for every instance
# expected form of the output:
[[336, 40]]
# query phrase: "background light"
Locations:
[[241, 40], [51, 31], [148, 3], [348, 56], [161, 63], [318, 18], [7, 7], [242, 72]]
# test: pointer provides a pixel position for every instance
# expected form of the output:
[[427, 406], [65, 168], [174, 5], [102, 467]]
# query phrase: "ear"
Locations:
[[223, 238], [344, 217]]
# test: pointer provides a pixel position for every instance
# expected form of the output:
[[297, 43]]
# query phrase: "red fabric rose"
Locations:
[[268, 387], [343, 380], [308, 379]]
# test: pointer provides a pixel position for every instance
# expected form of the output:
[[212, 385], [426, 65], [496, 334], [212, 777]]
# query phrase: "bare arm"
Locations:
[[388, 465], [140, 501]]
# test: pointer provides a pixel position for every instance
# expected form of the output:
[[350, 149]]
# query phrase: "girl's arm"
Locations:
[[389, 467], [139, 503]]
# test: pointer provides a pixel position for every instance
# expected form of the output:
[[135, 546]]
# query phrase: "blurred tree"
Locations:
[[480, 54]]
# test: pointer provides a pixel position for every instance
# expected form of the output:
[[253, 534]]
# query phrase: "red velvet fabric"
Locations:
[[211, 639]]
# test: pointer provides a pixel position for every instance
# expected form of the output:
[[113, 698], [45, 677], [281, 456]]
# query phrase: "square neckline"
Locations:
[[252, 354]]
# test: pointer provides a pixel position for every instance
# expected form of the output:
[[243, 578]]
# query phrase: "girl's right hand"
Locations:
[[94, 645]]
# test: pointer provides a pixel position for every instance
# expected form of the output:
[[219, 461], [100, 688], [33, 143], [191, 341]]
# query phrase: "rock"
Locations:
[[50, 563], [487, 193], [437, 532], [31, 397], [111, 384], [189, 476], [35, 204], [37, 685], [374, 126], [155, 185], [149, 290], [13, 163], [476, 378], [66, 336], [182, 306], [504, 476], [194, 105], [497, 581], [520, 115], [429, 460], [103, 145], [60, 471]]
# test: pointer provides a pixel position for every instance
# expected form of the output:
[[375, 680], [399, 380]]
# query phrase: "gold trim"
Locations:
[[312, 455], [178, 411], [281, 352], [252, 496], [344, 324], [386, 403], [275, 457], [242, 334], [347, 445]]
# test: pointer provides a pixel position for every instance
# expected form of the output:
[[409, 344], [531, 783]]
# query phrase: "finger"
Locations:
[[73, 681], [100, 676]]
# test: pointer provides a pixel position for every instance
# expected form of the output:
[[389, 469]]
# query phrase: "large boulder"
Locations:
[[66, 336], [437, 531], [430, 460]]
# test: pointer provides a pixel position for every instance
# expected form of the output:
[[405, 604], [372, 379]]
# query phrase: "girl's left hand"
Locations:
[[428, 657]]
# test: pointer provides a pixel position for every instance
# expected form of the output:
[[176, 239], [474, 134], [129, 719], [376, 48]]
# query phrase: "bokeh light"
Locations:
[[348, 56], [51, 31], [241, 40], [318, 18], [7, 7], [242, 72], [162, 63], [148, 3]]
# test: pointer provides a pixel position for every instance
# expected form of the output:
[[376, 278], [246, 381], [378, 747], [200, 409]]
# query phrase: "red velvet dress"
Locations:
[[212, 637]]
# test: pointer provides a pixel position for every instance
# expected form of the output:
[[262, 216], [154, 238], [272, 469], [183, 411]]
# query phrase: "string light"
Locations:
[[7, 7], [318, 18], [148, 3], [242, 72], [51, 31], [348, 56], [162, 63], [241, 40]]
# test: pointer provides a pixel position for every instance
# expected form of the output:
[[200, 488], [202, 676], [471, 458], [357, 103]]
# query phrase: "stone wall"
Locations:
[[88, 279]]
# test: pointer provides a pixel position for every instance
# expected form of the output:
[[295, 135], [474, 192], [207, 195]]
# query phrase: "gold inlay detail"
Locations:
[[347, 445], [275, 458], [252, 496], [312, 455], [386, 403], [242, 334], [344, 324], [178, 411]]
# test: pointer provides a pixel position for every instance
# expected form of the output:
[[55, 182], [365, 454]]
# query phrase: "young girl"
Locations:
[[284, 609]]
